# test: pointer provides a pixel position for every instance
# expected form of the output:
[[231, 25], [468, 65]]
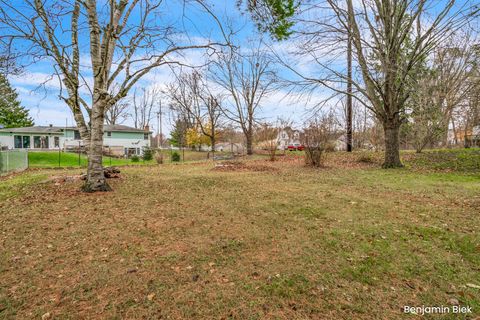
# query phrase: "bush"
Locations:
[[175, 157], [159, 157], [314, 156], [147, 154], [134, 158], [318, 138]]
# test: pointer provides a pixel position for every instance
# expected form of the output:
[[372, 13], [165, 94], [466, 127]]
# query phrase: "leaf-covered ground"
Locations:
[[267, 241]]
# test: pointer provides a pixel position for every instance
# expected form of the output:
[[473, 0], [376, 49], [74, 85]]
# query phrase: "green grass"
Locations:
[[458, 160], [341, 242], [70, 160], [73, 160]]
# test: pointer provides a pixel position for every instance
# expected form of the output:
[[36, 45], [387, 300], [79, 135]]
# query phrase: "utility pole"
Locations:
[[349, 88]]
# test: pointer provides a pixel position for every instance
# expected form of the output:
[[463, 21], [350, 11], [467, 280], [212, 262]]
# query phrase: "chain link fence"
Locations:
[[14, 160]]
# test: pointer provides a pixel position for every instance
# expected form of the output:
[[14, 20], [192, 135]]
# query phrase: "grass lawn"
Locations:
[[261, 241], [71, 160], [67, 159]]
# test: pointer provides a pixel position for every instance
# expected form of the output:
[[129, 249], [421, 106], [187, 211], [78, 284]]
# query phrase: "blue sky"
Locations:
[[39, 90]]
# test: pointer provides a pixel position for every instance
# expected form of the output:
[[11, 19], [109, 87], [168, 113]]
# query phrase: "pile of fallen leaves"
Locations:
[[236, 166]]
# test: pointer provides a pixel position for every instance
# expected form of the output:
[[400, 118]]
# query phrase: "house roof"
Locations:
[[53, 129], [35, 129]]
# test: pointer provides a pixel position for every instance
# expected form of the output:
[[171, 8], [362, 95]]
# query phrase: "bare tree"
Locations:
[[443, 86], [143, 102], [117, 113], [267, 138], [397, 39], [125, 41], [390, 38], [248, 78], [192, 95]]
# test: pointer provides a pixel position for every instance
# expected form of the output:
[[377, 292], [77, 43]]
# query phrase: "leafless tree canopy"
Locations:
[[390, 40], [192, 95], [144, 103], [247, 77]]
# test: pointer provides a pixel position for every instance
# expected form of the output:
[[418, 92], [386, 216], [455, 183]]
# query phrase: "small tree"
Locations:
[[267, 138], [178, 136], [12, 114], [319, 137], [175, 157], [147, 154], [195, 137]]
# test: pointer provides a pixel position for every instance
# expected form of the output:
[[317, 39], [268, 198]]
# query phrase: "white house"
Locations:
[[288, 137], [118, 139]]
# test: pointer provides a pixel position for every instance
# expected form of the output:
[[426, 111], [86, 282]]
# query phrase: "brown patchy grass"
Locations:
[[190, 242]]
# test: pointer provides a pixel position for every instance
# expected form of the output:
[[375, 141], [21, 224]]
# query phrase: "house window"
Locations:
[[130, 152], [26, 142], [21, 142], [76, 135], [40, 142], [109, 133], [36, 142], [145, 136], [18, 142], [56, 142]]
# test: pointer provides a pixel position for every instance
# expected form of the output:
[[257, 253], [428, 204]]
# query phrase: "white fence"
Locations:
[[14, 160]]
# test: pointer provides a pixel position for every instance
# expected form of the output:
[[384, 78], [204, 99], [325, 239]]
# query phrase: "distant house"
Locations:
[[287, 137], [118, 139], [341, 143]]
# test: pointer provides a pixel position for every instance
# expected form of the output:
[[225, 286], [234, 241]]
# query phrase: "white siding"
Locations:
[[6, 141]]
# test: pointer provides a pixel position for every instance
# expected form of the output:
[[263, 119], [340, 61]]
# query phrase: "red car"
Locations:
[[296, 146]]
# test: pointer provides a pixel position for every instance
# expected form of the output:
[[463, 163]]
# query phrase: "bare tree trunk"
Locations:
[[249, 141], [391, 129], [95, 176], [212, 141], [349, 94]]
